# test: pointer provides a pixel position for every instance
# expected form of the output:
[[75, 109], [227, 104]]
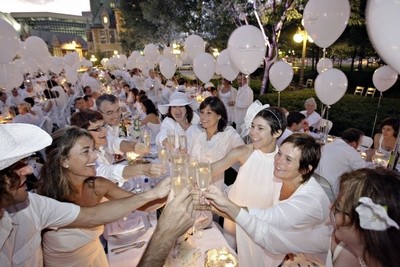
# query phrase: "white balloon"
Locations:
[[194, 45], [204, 67], [225, 66], [324, 64], [167, 68], [330, 86], [280, 75], [57, 64], [35, 47], [325, 20], [151, 52], [383, 20], [9, 42], [71, 74], [384, 78], [71, 58], [246, 47]]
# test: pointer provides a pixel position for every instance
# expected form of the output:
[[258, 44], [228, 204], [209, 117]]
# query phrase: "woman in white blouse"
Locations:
[[214, 138], [179, 119], [296, 223]]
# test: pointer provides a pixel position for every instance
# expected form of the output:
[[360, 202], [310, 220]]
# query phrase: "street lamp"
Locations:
[[93, 59], [302, 36]]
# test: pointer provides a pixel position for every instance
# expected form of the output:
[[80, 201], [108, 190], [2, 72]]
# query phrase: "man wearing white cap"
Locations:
[[24, 215]]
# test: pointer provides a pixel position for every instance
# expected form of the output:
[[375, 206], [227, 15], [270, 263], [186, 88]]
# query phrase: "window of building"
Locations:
[[112, 36], [103, 37]]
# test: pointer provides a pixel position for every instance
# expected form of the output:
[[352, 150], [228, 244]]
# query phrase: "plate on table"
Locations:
[[126, 229]]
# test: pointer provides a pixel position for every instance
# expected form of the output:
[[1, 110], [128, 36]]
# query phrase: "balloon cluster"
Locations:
[[325, 21]]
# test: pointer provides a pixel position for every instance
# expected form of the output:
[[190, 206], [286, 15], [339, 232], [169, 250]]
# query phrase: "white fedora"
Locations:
[[20, 140], [178, 99]]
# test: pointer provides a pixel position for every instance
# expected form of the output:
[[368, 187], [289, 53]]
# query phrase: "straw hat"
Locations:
[[178, 99], [20, 140]]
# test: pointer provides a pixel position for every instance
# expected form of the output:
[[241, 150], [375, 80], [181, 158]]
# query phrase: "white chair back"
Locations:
[[366, 142], [327, 123], [325, 185]]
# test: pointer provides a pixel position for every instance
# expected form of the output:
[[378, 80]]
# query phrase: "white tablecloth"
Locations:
[[207, 239]]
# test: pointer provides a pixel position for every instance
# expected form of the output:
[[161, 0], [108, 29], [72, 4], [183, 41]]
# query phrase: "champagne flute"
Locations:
[[163, 156], [203, 181], [179, 174], [182, 141], [171, 138], [146, 138]]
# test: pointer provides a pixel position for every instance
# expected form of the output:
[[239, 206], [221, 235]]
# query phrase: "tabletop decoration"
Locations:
[[220, 258]]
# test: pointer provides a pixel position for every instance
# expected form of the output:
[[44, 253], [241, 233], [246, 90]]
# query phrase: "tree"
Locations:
[[271, 17], [166, 21]]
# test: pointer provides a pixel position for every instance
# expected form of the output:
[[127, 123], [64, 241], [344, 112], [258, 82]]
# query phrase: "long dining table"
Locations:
[[190, 249]]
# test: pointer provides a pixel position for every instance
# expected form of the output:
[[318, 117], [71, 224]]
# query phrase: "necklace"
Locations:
[[362, 263]]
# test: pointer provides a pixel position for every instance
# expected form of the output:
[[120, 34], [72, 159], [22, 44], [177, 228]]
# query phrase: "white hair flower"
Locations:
[[374, 216]]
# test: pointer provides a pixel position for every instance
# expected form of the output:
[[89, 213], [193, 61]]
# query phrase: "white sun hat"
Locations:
[[209, 84], [178, 99], [20, 140]]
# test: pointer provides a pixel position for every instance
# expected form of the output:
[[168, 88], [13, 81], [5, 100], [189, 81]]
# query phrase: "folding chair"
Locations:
[[309, 83], [370, 91], [359, 90], [326, 186], [327, 123], [366, 142]]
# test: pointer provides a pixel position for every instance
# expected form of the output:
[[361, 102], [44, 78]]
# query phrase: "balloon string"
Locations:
[[376, 115], [279, 99], [259, 23], [323, 52]]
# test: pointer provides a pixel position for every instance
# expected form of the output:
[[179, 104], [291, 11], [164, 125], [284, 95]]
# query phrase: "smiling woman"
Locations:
[[69, 175], [295, 222]]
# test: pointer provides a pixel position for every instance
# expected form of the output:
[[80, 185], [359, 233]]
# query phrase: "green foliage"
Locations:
[[352, 111]]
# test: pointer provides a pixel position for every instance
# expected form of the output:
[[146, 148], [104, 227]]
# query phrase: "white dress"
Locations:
[[74, 247], [216, 148], [225, 98], [255, 187], [294, 225]]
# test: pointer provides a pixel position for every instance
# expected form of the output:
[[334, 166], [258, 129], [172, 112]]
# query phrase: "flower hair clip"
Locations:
[[374, 216]]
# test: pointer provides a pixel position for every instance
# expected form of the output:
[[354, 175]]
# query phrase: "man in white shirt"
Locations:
[[15, 99], [295, 123], [152, 87], [341, 156], [24, 215], [137, 79], [108, 106], [244, 99]]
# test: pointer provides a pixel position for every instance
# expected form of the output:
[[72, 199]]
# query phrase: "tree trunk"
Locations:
[[268, 61], [353, 59]]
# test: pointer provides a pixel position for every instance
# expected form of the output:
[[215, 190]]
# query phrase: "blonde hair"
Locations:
[[24, 108]]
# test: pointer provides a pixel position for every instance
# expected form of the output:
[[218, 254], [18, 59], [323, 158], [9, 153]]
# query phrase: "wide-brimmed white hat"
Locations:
[[20, 140], [169, 83], [209, 84], [178, 99]]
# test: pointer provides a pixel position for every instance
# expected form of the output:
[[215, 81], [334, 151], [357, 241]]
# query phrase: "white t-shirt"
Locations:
[[21, 228]]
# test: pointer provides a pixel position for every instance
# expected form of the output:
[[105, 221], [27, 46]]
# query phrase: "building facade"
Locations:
[[103, 32]]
